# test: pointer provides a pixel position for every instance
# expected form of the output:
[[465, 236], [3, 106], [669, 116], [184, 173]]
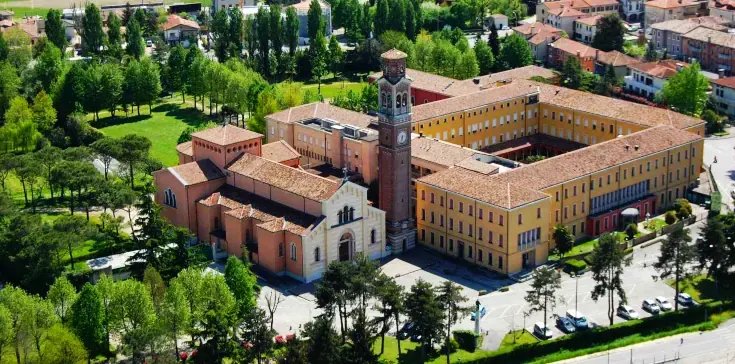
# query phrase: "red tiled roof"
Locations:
[[393, 54], [226, 135], [661, 69], [185, 148], [323, 110], [175, 21], [196, 172], [616, 59], [725, 82], [279, 152], [590, 20], [532, 28], [574, 48], [669, 4]]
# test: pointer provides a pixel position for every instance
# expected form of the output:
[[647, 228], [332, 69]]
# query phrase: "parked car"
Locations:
[[627, 312], [685, 299], [566, 325], [405, 331], [663, 303], [580, 322], [416, 337], [505, 27], [148, 43], [651, 306], [483, 311], [541, 331]]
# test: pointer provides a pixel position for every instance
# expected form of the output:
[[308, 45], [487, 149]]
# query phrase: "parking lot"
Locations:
[[504, 309]]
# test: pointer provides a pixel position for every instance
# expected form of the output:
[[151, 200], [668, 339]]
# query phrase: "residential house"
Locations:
[[564, 48], [723, 8], [564, 18], [723, 93], [713, 49], [562, 14], [586, 28], [499, 20], [229, 4], [178, 30], [662, 10], [539, 36], [619, 61], [667, 35], [633, 10], [302, 10], [647, 79]]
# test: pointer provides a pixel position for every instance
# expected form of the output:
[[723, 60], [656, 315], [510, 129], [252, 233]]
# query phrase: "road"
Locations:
[[711, 347], [724, 169]]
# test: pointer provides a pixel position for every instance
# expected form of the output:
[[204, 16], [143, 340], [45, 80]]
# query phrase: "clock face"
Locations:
[[402, 137]]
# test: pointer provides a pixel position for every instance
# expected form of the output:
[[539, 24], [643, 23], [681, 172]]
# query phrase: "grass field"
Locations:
[[702, 289], [21, 11], [163, 127], [655, 224], [521, 337], [411, 354], [332, 89]]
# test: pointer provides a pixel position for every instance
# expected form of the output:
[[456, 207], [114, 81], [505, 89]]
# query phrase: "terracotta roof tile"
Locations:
[[196, 172], [523, 185], [715, 37], [532, 28], [573, 47], [293, 180], [590, 20], [669, 4], [661, 69], [185, 148], [323, 110], [725, 82], [567, 12], [174, 21], [279, 152], [439, 152], [616, 59], [544, 36], [226, 135], [304, 5], [272, 216], [393, 54], [682, 26]]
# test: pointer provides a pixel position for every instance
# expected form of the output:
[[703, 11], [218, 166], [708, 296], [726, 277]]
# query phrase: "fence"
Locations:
[[667, 229]]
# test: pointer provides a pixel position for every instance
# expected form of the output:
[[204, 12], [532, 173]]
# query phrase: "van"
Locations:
[[580, 322]]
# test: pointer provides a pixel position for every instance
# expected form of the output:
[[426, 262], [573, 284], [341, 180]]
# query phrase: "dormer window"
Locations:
[[169, 198]]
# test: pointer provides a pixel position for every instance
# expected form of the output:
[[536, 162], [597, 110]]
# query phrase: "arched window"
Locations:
[[405, 99], [341, 218], [293, 251], [382, 98], [280, 249], [372, 236], [317, 256], [352, 213], [169, 198], [398, 100]]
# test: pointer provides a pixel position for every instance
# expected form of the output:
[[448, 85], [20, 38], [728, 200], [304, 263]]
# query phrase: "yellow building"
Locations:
[[503, 221]]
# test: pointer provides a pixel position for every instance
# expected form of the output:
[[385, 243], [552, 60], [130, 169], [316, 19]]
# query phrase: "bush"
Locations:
[[628, 251], [505, 289], [631, 230], [482, 292], [467, 339], [683, 208], [670, 217], [453, 346], [574, 265]]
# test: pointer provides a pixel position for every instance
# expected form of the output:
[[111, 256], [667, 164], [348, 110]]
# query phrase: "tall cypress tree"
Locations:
[[381, 17], [55, 30], [291, 30], [493, 41], [93, 37], [315, 19], [262, 24]]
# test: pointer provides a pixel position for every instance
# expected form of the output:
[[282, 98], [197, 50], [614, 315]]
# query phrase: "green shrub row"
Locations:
[[574, 265], [467, 339], [604, 335]]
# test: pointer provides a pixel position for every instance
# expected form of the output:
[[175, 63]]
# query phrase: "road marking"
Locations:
[[506, 309], [630, 293], [521, 308]]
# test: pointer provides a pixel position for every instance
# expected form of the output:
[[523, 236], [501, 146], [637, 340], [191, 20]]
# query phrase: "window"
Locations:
[[520, 219], [500, 222], [500, 240], [490, 214], [500, 262], [441, 201], [538, 213], [479, 233], [293, 252], [461, 226], [169, 198], [479, 255], [280, 249], [451, 223], [432, 197], [423, 215], [461, 207], [423, 195], [471, 210], [451, 204], [372, 236], [479, 214], [316, 254]]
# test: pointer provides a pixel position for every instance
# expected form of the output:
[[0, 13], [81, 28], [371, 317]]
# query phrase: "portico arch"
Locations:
[[346, 246]]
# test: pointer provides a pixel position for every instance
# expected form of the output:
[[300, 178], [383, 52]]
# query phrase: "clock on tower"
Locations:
[[394, 118]]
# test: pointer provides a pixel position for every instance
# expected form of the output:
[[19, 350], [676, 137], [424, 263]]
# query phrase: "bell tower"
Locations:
[[394, 120]]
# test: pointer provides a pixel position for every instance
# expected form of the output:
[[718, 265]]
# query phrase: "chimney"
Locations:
[[679, 67], [721, 72]]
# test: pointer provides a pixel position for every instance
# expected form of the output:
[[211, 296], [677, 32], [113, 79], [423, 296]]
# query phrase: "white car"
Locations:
[[505, 27], [663, 303], [651, 306], [685, 299], [543, 332], [627, 312]]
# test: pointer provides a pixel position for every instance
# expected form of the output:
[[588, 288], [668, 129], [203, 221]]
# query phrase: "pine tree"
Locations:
[[494, 41], [607, 263], [676, 259]]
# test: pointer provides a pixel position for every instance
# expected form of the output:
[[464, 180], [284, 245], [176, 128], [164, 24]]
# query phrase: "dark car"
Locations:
[[405, 331], [566, 325]]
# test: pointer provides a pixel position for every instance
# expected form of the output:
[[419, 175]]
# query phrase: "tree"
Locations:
[[571, 74], [72, 230], [262, 23], [64, 347], [397, 16], [467, 67], [425, 312], [38, 318], [272, 300], [333, 292], [62, 295], [19, 48], [451, 299], [28, 172], [87, 320], [713, 251], [494, 41], [686, 91], [105, 150], [6, 329], [291, 30], [390, 297], [609, 35], [318, 54], [176, 73], [336, 57], [134, 149], [134, 39], [515, 52], [258, 334], [16, 301], [243, 285], [235, 33], [676, 259], [93, 37], [323, 340], [157, 288], [296, 352], [651, 54], [683, 208], [563, 239], [3, 48], [315, 21], [9, 87], [110, 84], [277, 36], [55, 30], [542, 296], [607, 262], [44, 114], [485, 57], [114, 35], [175, 314]]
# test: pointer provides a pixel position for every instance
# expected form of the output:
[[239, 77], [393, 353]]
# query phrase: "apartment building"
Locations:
[[662, 10], [648, 78], [539, 36], [561, 14], [586, 28], [723, 8], [723, 93], [714, 50], [667, 35], [564, 48], [503, 222], [620, 62], [633, 10]]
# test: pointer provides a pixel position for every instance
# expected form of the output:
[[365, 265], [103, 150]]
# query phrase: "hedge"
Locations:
[[574, 265], [603, 335], [467, 339]]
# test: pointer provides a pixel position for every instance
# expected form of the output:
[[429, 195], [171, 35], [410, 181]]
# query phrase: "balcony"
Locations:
[[528, 245]]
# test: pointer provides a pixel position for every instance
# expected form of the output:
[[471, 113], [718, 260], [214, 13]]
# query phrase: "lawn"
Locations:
[[332, 89], [656, 224], [21, 12], [411, 353], [701, 288], [721, 133], [521, 337], [162, 127]]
